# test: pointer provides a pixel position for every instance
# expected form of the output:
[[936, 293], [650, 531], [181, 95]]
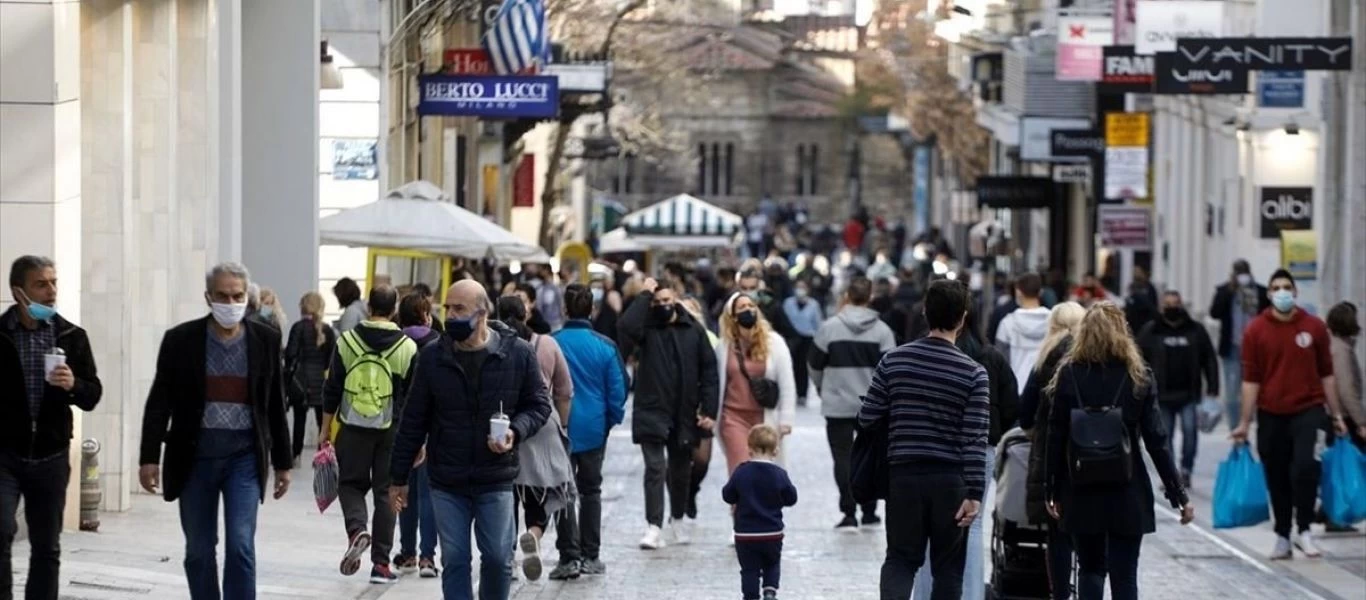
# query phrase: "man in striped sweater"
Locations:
[[934, 400]]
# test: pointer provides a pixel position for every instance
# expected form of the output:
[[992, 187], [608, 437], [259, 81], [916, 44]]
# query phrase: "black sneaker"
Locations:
[[406, 565], [848, 523], [770, 594], [1186, 480], [871, 520], [566, 570], [592, 566], [381, 574]]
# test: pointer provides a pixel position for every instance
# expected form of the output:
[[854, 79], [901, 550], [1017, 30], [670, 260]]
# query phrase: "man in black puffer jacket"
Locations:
[[481, 371], [1179, 351], [676, 396]]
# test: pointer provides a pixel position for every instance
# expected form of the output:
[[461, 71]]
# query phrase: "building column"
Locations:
[[40, 157], [279, 166]]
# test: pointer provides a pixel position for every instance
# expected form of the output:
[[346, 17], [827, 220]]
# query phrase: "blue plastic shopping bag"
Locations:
[[1240, 497], [1343, 489]]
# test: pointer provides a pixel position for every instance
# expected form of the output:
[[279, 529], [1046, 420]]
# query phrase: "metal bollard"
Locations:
[[92, 491]]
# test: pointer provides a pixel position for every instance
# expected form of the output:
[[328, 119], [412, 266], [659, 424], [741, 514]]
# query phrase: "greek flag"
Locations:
[[516, 41]]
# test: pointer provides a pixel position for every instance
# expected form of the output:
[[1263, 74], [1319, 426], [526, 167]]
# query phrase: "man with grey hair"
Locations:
[[46, 367], [217, 404], [474, 397]]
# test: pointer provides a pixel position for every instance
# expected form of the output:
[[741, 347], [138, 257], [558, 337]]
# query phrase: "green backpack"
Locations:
[[369, 382]]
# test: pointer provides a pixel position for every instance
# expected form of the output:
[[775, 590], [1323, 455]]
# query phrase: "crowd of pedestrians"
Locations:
[[481, 415]]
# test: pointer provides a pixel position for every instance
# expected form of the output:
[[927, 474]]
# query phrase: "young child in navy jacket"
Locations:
[[757, 492]]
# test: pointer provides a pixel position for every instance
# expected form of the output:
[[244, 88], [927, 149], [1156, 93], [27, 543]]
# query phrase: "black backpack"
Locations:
[[1099, 451]]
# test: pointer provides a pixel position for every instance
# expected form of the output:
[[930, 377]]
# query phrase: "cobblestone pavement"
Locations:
[[137, 555]]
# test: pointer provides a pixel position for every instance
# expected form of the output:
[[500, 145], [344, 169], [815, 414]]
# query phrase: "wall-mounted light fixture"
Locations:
[[1292, 128], [329, 76]]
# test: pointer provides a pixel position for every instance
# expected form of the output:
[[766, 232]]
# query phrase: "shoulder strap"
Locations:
[[739, 356], [349, 339]]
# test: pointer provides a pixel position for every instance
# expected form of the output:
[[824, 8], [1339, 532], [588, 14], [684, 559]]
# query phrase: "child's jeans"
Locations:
[[760, 562]]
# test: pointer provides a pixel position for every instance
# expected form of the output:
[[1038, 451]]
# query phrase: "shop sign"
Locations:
[[1124, 70], [1280, 89], [466, 61], [1071, 173], [1258, 54], [1159, 23], [1124, 226], [1300, 254], [1081, 40], [1173, 78], [1126, 129], [1285, 209], [493, 96], [1126, 173], [1016, 192], [1036, 137], [1077, 142]]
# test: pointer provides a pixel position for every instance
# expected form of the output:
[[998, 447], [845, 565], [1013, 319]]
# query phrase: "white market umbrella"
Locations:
[[418, 216]]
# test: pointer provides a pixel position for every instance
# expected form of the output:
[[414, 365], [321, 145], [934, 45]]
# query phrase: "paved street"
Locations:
[[137, 554]]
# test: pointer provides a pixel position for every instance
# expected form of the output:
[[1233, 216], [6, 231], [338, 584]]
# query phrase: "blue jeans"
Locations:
[[974, 570], [491, 514], [1189, 431], [1233, 387], [417, 515], [234, 479]]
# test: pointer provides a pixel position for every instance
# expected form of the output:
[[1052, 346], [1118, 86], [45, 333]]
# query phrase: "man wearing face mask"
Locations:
[[35, 437], [1180, 353], [751, 283], [805, 316], [677, 398], [1288, 380], [364, 393], [480, 377], [217, 404], [1236, 303]]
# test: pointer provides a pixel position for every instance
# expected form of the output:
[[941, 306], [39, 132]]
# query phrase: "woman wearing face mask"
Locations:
[[545, 481], [805, 316], [272, 311], [747, 342], [1236, 304], [1343, 323], [606, 307]]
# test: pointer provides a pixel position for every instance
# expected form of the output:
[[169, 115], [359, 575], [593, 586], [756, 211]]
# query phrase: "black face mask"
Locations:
[[747, 319], [663, 312], [1174, 314]]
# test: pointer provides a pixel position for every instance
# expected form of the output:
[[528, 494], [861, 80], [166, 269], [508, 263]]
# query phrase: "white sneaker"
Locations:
[[653, 540], [682, 531], [1282, 550], [1305, 543]]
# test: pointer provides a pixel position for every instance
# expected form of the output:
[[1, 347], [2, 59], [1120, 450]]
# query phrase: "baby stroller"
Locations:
[[1019, 549]]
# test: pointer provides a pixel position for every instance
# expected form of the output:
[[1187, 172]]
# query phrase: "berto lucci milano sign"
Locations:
[[494, 96]]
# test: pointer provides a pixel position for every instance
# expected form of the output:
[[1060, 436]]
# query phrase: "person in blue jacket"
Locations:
[[599, 404]]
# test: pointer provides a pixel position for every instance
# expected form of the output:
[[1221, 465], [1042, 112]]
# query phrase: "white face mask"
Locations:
[[1244, 279], [228, 315]]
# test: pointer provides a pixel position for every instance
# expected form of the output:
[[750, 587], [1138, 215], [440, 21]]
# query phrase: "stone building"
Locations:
[[772, 121]]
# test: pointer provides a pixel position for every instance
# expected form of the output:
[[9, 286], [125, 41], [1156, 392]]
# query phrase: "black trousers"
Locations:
[[363, 464], [42, 483], [840, 434], [921, 508], [801, 348], [1099, 555], [300, 423], [761, 566], [580, 531], [675, 473], [1286, 444]]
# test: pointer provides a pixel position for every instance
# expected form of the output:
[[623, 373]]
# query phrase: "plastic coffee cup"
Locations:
[[51, 360], [498, 427]]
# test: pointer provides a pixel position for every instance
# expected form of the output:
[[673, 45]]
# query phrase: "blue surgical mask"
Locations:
[[1283, 300], [39, 312], [461, 329], [267, 311]]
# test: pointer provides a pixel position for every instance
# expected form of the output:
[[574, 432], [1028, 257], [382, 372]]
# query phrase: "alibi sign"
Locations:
[[1260, 54]]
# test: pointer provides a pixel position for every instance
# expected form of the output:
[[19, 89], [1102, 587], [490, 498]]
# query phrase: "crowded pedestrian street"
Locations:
[[135, 555]]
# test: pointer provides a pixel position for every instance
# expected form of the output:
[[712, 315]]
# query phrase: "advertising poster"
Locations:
[[1081, 45], [355, 160], [1300, 254]]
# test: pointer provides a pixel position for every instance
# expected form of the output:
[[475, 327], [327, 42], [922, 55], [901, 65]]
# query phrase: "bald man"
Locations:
[[476, 396]]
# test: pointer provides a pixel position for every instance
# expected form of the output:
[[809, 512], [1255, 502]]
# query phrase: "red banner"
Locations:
[[524, 183]]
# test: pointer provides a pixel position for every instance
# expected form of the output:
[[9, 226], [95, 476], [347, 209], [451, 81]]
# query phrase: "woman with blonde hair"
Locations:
[[308, 351], [749, 343], [1100, 491], [1034, 406], [272, 311]]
